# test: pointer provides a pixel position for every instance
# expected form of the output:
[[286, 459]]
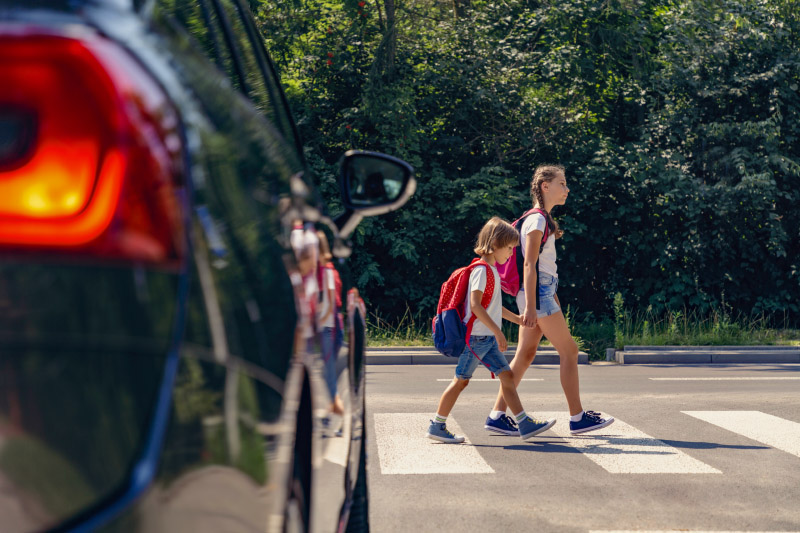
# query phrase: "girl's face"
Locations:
[[556, 191]]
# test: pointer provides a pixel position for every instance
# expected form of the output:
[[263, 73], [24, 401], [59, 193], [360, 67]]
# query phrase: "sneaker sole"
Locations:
[[593, 428], [540, 430], [445, 439], [500, 431]]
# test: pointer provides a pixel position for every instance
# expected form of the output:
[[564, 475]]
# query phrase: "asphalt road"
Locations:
[[693, 448]]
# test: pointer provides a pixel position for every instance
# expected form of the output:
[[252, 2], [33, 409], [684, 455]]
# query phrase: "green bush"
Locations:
[[678, 123]]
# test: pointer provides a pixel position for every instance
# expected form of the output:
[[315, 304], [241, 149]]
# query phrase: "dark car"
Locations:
[[160, 365]]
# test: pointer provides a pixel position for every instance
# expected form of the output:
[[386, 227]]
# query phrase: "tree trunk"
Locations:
[[380, 15], [460, 8], [390, 39]]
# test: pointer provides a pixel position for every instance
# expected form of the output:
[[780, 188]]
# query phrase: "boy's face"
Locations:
[[502, 254]]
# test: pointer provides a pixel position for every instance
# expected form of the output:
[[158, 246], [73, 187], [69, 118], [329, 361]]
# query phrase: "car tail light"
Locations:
[[90, 152]]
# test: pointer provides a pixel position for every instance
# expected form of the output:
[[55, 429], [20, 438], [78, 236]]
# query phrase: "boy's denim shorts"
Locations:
[[547, 296], [485, 347]]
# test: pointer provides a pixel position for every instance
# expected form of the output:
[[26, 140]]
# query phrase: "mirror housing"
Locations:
[[372, 183]]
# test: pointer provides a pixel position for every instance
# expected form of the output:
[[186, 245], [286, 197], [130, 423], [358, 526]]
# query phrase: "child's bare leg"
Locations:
[[555, 329], [337, 407], [529, 339], [509, 390], [450, 395]]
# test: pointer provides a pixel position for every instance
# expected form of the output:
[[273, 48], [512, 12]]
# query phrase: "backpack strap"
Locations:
[[545, 235], [520, 259], [320, 281], [486, 299]]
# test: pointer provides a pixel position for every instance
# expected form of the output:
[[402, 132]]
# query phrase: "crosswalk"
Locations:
[[623, 449], [618, 449], [767, 429], [403, 450]]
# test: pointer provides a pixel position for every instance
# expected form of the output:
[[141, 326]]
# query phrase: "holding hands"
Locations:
[[528, 319]]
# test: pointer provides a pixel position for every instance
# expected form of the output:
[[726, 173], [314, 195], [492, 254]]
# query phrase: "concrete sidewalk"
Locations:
[[667, 355], [427, 355]]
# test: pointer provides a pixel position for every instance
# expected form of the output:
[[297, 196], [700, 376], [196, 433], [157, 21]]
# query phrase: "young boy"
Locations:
[[496, 242]]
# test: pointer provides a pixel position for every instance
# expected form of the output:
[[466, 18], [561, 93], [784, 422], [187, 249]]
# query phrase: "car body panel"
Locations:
[[181, 397]]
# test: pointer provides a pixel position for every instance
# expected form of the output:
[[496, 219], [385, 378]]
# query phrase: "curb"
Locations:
[[630, 355], [698, 355], [427, 355]]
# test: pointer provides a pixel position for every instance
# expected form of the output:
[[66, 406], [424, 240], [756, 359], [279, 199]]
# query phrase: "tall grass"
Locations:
[[410, 330], [720, 326]]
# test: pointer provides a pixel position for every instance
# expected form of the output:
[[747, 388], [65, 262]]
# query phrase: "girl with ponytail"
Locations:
[[544, 317]]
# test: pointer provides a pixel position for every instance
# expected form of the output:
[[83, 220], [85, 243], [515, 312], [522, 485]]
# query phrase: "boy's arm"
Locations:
[[329, 309], [327, 286], [480, 313], [511, 316]]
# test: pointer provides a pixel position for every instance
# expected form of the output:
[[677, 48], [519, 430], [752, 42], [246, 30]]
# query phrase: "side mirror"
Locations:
[[372, 183]]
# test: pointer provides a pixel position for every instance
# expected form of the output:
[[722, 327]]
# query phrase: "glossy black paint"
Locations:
[[141, 398]]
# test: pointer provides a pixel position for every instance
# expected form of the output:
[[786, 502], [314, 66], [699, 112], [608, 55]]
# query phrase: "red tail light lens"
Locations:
[[90, 155]]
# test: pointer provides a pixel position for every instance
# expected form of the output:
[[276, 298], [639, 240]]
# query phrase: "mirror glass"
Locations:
[[373, 181]]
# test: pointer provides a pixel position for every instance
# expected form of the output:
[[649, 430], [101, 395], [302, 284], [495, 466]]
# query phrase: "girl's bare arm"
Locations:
[[532, 242]]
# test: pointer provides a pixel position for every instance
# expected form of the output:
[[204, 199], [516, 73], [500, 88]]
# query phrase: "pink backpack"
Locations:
[[512, 272]]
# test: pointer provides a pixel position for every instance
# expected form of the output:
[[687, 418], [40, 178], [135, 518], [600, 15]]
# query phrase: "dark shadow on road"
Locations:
[[609, 445], [538, 446], [709, 445]]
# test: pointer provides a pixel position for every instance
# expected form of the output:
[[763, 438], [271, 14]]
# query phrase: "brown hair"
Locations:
[[495, 234], [542, 174]]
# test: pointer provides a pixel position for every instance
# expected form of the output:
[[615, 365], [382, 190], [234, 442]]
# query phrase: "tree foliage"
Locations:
[[677, 121]]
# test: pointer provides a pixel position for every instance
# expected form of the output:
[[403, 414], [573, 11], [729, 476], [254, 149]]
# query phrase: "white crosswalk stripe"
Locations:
[[673, 531], [403, 447], [767, 429], [740, 378], [622, 449]]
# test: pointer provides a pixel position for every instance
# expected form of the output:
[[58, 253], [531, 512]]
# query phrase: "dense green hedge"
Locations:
[[678, 123]]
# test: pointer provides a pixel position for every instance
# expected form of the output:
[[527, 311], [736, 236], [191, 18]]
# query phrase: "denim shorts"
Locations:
[[547, 297], [485, 347]]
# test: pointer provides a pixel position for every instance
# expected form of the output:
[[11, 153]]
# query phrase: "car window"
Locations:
[[259, 81], [223, 31], [200, 20]]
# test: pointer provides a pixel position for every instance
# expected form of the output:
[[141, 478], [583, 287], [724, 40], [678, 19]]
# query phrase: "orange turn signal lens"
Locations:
[[83, 150]]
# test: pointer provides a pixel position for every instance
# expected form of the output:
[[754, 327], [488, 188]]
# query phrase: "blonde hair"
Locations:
[[495, 234], [324, 249], [542, 174]]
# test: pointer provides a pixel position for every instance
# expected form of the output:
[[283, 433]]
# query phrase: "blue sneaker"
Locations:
[[438, 431], [504, 425], [590, 421], [530, 427]]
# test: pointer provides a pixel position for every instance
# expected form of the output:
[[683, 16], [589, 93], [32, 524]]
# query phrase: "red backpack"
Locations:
[[512, 272], [450, 334]]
